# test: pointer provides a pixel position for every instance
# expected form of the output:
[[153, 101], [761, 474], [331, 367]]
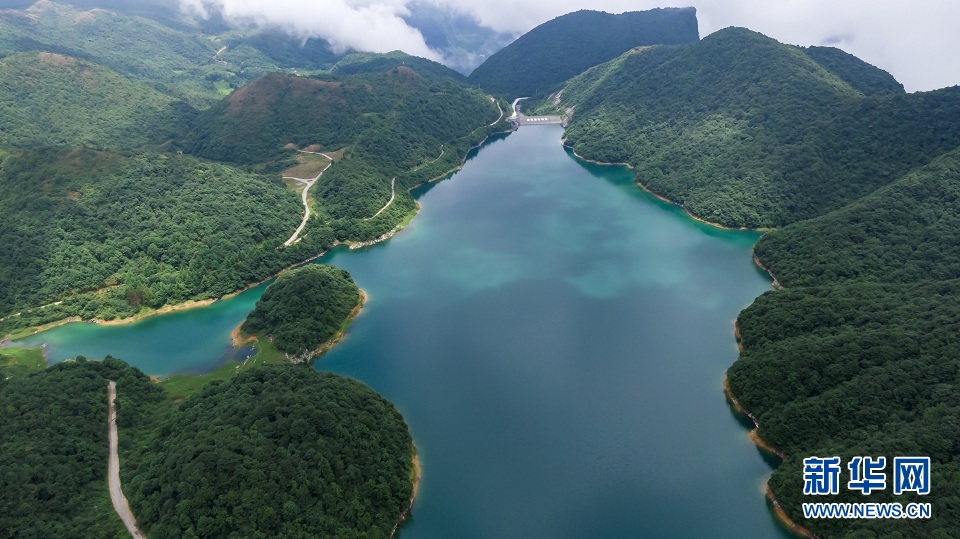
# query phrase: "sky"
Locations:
[[916, 41]]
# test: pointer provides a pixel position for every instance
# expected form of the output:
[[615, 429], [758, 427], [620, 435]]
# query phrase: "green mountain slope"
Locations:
[[390, 124], [859, 355], [905, 232], [564, 47], [365, 62], [279, 451], [154, 43], [49, 99], [53, 452], [109, 236], [868, 79], [744, 131]]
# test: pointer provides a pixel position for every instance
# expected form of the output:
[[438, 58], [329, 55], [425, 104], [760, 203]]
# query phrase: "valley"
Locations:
[[558, 333]]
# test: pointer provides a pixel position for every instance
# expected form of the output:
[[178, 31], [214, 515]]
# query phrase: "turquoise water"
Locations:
[[556, 339]]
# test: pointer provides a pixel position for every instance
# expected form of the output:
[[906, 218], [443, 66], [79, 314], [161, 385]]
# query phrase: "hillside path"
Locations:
[[120, 504], [306, 214], [498, 108], [393, 193]]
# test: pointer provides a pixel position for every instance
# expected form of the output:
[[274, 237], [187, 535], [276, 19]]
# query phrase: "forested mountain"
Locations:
[[279, 451], [868, 79], [109, 235], [48, 99], [305, 309], [153, 42], [53, 448], [745, 131], [859, 355], [556, 50], [106, 220], [365, 62], [392, 123]]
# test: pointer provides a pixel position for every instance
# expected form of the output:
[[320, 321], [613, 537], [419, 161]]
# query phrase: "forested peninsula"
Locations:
[[305, 311], [276, 451]]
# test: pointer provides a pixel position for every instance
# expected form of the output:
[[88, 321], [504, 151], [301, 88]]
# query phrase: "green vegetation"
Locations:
[[53, 452], [864, 77], [860, 355], [538, 61], [49, 99], [278, 451], [110, 236], [152, 42], [16, 361], [365, 62], [394, 123], [304, 309], [745, 131]]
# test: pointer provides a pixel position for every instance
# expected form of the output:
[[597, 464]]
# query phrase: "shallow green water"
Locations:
[[556, 339]]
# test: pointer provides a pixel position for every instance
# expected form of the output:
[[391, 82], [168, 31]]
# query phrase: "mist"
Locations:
[[915, 41]]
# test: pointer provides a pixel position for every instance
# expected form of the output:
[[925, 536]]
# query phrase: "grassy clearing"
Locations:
[[16, 361], [308, 166], [294, 185], [181, 386], [223, 87]]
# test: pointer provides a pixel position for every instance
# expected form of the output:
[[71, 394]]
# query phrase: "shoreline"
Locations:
[[784, 519], [166, 309], [352, 245], [776, 284], [192, 304], [238, 338], [416, 474], [752, 434], [661, 197]]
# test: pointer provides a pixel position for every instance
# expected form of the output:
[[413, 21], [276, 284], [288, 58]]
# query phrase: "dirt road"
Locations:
[[113, 468]]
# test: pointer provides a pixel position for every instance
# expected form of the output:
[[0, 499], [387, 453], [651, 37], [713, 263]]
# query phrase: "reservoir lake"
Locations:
[[556, 339]]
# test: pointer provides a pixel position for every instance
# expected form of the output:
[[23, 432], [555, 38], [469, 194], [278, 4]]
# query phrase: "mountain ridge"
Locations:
[[565, 46]]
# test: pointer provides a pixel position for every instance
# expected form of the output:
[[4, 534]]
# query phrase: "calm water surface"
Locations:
[[556, 339]]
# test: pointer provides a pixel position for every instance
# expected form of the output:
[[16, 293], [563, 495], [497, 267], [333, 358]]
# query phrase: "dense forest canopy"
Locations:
[[745, 131], [304, 308], [110, 235], [278, 451], [859, 354], [53, 448], [48, 99], [565, 46]]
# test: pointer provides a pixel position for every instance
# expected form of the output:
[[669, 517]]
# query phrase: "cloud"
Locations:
[[915, 41], [374, 26]]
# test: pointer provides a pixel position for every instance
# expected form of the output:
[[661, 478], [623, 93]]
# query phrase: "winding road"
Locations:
[[306, 214], [498, 108], [120, 504], [393, 193]]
